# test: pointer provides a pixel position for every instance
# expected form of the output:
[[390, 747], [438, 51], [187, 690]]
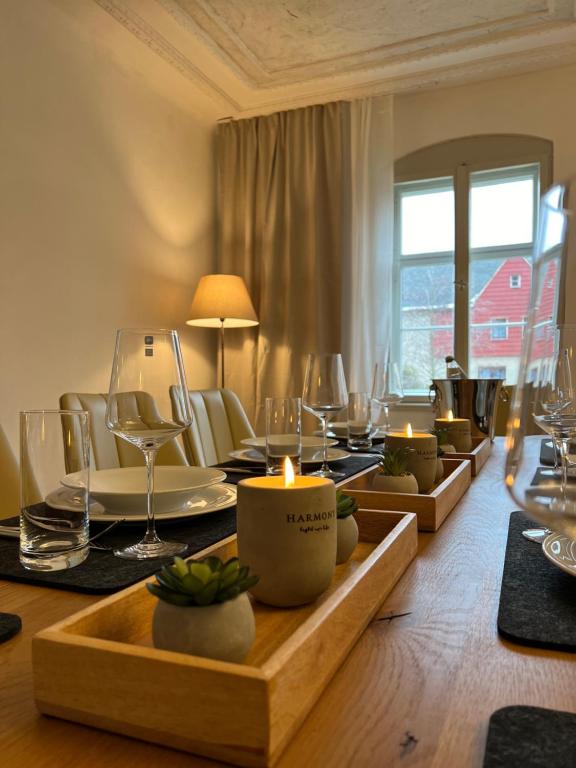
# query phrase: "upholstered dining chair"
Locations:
[[107, 450], [219, 424]]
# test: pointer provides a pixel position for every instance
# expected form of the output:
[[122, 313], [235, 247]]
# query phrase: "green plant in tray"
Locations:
[[201, 582], [345, 505], [394, 463]]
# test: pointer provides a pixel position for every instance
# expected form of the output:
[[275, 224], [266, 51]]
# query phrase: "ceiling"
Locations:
[[256, 56]]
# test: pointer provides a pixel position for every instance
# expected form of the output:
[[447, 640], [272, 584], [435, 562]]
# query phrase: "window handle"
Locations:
[[460, 284]]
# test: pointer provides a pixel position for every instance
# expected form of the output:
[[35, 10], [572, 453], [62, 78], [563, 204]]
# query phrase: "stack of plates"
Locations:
[[121, 493], [312, 449]]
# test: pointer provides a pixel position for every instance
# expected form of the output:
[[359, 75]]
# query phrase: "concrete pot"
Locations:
[[222, 631], [439, 470], [395, 483], [347, 538]]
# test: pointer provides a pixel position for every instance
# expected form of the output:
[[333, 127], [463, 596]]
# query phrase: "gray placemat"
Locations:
[[531, 737], [547, 452], [537, 599], [348, 467], [10, 625], [102, 573]]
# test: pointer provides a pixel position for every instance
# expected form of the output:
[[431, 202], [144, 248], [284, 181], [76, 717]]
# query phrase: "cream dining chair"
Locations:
[[107, 450], [219, 424]]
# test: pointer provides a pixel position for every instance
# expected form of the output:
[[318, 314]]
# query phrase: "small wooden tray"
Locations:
[[478, 456], [97, 667], [431, 508]]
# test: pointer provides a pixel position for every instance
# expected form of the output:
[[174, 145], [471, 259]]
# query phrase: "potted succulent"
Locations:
[[441, 437], [203, 608], [392, 474], [347, 527]]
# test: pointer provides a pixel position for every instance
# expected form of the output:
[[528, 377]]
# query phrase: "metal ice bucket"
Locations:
[[474, 399]]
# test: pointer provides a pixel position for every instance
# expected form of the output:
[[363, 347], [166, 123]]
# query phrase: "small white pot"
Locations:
[[347, 538], [447, 448], [439, 470], [222, 631], [395, 483]]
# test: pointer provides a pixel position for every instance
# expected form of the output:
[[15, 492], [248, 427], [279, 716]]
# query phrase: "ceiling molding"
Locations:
[[191, 37], [157, 43]]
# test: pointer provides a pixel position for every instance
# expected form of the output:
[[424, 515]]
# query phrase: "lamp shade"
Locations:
[[222, 300]]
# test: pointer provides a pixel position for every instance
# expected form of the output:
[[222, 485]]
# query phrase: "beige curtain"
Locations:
[[285, 186]]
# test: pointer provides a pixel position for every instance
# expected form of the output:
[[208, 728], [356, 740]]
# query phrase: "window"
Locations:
[[498, 330], [464, 233], [492, 372]]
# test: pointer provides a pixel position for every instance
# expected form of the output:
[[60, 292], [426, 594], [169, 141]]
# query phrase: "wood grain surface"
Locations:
[[417, 689]]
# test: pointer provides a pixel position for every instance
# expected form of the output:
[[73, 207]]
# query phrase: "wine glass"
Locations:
[[146, 364], [544, 394], [325, 392], [387, 388]]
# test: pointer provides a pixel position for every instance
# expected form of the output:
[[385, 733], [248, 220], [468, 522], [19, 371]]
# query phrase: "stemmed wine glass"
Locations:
[[387, 388], [146, 364], [545, 391], [554, 408], [325, 392]]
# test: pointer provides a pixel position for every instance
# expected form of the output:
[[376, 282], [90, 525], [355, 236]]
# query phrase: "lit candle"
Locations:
[[458, 432], [421, 454], [287, 535]]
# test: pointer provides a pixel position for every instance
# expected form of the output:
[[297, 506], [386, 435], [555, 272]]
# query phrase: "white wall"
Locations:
[[538, 104], [106, 206]]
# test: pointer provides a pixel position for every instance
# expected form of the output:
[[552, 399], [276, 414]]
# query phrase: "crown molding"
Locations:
[[178, 40]]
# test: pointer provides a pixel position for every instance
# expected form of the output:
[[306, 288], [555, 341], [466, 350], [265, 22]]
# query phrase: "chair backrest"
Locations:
[[107, 450], [219, 425]]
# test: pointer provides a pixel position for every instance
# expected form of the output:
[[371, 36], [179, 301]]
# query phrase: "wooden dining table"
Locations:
[[417, 689]]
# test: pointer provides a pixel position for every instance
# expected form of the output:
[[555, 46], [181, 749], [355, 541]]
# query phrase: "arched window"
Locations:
[[465, 221]]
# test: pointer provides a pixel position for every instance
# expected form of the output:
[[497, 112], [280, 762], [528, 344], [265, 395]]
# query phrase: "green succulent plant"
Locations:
[[345, 505], [394, 463], [442, 437], [201, 582]]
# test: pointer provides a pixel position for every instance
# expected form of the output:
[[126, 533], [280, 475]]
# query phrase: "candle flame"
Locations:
[[450, 416], [288, 473], [408, 430]]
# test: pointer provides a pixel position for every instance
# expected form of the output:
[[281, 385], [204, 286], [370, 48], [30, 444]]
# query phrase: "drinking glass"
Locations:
[[386, 388], [54, 449], [325, 393], [283, 434], [146, 364], [359, 420], [544, 394]]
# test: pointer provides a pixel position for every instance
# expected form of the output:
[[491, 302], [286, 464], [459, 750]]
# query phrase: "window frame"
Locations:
[[458, 159]]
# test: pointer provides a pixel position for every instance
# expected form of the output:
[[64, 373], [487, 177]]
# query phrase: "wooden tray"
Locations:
[[481, 450], [98, 667], [431, 508]]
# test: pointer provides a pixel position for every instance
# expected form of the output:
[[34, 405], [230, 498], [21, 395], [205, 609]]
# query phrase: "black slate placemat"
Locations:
[[537, 599], [10, 625], [102, 573], [531, 737], [547, 452], [348, 467]]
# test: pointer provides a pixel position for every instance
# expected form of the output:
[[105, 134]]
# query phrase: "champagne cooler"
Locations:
[[474, 399]]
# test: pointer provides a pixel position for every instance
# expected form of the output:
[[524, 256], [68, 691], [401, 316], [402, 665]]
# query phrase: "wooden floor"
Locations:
[[417, 690]]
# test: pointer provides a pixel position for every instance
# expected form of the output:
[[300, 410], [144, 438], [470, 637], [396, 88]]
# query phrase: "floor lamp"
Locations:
[[222, 301]]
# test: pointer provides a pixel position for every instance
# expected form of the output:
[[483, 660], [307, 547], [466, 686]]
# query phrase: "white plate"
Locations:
[[561, 551], [66, 498], [254, 456], [339, 429], [123, 491], [310, 445], [211, 499]]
